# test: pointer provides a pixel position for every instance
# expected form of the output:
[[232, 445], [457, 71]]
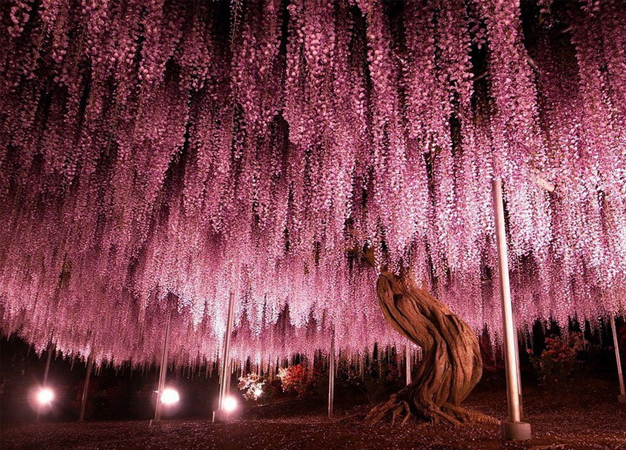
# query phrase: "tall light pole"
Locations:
[[622, 391], [83, 405], [163, 368], [331, 376], [514, 428], [407, 357], [221, 414], [46, 372]]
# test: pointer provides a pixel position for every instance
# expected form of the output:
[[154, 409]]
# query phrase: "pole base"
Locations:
[[221, 416], [516, 431], [621, 398]]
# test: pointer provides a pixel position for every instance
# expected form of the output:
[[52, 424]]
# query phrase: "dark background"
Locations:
[[127, 393], [119, 393]]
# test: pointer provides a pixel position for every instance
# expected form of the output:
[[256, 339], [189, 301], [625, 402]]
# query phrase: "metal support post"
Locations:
[[83, 405], [622, 391], [331, 376], [407, 357], [163, 368], [514, 428], [220, 414]]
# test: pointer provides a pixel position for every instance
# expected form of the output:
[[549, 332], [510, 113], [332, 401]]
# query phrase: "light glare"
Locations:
[[45, 396], [170, 396], [230, 404]]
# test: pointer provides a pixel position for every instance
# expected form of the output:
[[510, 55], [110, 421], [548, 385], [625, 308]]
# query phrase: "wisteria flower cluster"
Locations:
[[156, 156]]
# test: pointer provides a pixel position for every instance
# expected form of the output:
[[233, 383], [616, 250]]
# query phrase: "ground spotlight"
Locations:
[[229, 404], [45, 396], [170, 396]]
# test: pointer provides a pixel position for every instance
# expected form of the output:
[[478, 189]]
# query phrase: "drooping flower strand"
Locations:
[[168, 148]]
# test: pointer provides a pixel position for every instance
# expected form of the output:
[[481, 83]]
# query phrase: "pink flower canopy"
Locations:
[[198, 148]]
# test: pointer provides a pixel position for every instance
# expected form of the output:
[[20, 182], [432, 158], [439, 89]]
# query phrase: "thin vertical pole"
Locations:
[[407, 357], [618, 359], [225, 381], [519, 372], [163, 368], [45, 373], [331, 376], [509, 332], [83, 405], [362, 366], [48, 359]]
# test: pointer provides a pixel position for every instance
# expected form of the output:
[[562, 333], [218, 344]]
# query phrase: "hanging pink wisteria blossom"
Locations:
[[203, 148]]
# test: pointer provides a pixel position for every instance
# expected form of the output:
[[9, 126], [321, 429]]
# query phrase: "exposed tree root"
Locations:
[[447, 414]]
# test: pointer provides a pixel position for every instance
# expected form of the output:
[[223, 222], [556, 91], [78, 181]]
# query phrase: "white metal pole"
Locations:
[[519, 372], [229, 373], [48, 359], [618, 359], [514, 428], [226, 366], [163, 368], [331, 376], [83, 405], [362, 366], [407, 357], [46, 372]]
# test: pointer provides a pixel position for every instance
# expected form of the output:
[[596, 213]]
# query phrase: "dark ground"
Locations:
[[580, 415]]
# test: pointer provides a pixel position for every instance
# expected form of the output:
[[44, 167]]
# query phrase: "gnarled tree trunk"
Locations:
[[452, 363]]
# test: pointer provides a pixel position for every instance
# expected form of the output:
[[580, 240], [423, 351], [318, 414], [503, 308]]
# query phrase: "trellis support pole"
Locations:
[[407, 357], [83, 404], [513, 428], [220, 415], [331, 376], [45, 373], [622, 390], [163, 368]]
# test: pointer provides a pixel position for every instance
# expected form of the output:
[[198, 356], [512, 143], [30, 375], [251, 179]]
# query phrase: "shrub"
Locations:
[[298, 379], [380, 380], [252, 386], [558, 360]]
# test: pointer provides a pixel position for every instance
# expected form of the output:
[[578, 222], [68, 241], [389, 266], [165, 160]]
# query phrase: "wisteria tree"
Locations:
[[453, 364], [198, 148]]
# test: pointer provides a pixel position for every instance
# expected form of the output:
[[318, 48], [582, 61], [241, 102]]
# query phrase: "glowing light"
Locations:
[[170, 396], [45, 396], [229, 404]]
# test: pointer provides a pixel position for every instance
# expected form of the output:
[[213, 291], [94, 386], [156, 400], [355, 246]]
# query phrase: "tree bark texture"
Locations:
[[452, 364]]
